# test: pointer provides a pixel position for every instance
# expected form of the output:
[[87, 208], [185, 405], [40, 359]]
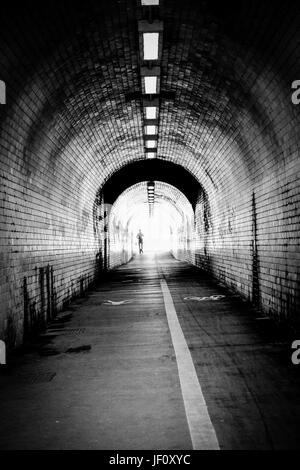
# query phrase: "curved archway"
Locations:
[[154, 170]]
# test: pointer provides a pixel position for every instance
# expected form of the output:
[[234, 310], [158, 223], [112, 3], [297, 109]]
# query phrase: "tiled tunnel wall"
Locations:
[[73, 117], [251, 244], [120, 249]]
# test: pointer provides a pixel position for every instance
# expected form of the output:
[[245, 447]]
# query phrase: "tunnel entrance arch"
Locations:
[[151, 170], [134, 174], [159, 170]]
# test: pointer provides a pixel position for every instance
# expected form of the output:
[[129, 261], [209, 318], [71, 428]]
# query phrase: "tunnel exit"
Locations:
[[157, 231], [167, 223]]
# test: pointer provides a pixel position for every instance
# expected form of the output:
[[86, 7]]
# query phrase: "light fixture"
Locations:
[[151, 154], [150, 85], [150, 39], [151, 197], [150, 80], [151, 144], [150, 45], [150, 130], [149, 2], [151, 112]]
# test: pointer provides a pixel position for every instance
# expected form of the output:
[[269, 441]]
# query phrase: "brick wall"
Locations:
[[248, 161]]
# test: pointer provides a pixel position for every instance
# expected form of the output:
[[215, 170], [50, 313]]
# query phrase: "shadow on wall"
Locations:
[[203, 221], [39, 302]]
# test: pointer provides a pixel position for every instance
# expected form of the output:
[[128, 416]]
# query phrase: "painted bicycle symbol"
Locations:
[[200, 299]]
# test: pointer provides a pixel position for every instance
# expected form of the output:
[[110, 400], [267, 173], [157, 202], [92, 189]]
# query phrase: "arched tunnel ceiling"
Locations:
[[77, 87]]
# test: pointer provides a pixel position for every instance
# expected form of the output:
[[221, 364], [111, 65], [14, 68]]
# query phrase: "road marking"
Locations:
[[202, 432], [199, 299], [113, 303]]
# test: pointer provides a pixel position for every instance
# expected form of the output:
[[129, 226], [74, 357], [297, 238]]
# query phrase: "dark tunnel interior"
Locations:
[[90, 119]]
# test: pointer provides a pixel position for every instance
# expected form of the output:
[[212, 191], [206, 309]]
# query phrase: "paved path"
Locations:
[[161, 365]]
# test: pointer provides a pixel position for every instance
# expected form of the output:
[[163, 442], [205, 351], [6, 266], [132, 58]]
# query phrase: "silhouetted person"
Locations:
[[140, 237]]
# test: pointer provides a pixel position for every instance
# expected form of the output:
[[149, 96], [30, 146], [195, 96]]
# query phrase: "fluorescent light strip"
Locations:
[[149, 2], [151, 154], [150, 84], [150, 44], [151, 144], [151, 112], [150, 130]]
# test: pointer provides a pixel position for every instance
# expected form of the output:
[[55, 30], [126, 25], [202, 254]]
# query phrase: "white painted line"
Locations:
[[202, 432]]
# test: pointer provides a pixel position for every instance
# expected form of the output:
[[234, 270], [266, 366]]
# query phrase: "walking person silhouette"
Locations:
[[140, 237]]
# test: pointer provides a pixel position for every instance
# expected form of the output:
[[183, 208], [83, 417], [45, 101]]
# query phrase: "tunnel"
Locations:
[[180, 120]]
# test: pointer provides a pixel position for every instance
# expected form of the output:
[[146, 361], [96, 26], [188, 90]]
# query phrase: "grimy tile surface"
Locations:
[[104, 374]]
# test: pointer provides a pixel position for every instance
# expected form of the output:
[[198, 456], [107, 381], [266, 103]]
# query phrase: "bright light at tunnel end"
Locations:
[[159, 210]]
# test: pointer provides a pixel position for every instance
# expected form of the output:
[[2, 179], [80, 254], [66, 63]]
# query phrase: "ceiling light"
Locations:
[[150, 130], [151, 155], [150, 39], [151, 144], [150, 2], [150, 84], [150, 45], [151, 112]]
